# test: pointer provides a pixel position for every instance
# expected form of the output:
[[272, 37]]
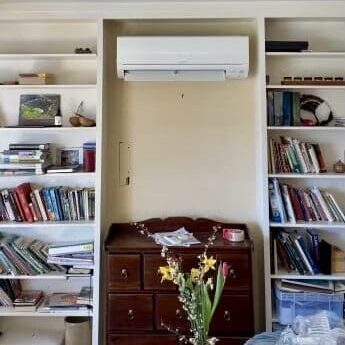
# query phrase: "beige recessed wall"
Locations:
[[193, 145]]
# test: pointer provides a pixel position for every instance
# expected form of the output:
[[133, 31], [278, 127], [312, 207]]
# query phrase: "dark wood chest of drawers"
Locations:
[[136, 302]]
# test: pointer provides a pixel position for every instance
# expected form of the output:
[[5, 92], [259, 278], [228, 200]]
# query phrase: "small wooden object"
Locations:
[[339, 167]]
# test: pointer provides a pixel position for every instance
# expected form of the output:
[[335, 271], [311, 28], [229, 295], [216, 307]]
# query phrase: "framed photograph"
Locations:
[[38, 110], [69, 156]]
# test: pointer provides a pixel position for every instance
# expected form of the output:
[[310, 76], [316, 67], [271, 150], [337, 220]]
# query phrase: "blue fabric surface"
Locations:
[[264, 339]]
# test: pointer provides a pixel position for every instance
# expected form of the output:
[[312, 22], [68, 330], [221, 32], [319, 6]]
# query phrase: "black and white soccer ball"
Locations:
[[314, 111]]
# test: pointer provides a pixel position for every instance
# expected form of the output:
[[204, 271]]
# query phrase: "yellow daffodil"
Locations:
[[166, 273], [209, 263], [194, 274]]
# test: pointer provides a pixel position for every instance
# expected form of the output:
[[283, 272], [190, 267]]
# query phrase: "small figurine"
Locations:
[[80, 120], [82, 51], [339, 167]]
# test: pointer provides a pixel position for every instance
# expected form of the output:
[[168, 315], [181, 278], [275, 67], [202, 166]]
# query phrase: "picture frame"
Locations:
[[68, 156], [38, 110]]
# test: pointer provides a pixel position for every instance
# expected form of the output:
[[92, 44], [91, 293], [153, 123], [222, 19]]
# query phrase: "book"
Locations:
[[287, 108], [278, 108], [69, 247], [28, 300]]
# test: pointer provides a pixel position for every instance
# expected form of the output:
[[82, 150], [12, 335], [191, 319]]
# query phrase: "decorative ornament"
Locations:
[[80, 120], [339, 167]]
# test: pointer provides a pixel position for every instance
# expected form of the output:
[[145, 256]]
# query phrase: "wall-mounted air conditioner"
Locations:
[[193, 58]]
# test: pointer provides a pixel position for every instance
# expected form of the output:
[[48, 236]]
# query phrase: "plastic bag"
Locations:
[[320, 329]]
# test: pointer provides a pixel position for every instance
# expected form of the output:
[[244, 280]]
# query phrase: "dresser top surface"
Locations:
[[124, 237]]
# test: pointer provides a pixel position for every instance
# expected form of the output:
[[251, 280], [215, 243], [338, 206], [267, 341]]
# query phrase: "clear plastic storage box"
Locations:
[[291, 304]]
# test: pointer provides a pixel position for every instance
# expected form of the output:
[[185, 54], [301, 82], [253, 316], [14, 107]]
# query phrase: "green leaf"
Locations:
[[219, 290], [206, 306]]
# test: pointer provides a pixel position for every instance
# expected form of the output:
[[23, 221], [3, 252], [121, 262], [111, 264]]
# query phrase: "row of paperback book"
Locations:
[[291, 205], [27, 203], [290, 155], [305, 253], [23, 256], [25, 159], [283, 108], [12, 295]]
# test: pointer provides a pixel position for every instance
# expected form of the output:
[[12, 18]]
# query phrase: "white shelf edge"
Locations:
[[52, 56], [307, 54], [54, 276], [301, 128], [287, 87], [311, 225], [47, 129], [50, 86], [284, 275], [64, 224], [309, 176], [55, 175], [9, 312]]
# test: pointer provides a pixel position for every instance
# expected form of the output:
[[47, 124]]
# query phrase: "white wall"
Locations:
[[193, 145]]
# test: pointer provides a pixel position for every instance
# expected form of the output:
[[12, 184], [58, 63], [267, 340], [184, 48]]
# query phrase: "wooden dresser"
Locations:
[[137, 302]]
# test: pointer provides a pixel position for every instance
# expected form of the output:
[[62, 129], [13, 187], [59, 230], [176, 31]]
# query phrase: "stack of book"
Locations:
[[78, 255], [61, 302], [28, 300], [27, 203], [23, 256], [290, 155], [305, 253], [85, 296], [25, 159], [283, 108], [9, 290], [289, 204]]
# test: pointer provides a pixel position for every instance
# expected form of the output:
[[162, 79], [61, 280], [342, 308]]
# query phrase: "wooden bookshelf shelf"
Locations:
[[45, 56], [307, 129], [315, 54], [294, 275], [52, 276], [13, 313], [11, 130], [314, 87], [49, 86], [62, 224], [311, 225], [309, 176], [55, 175]]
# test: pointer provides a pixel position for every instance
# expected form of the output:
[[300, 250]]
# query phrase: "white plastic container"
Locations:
[[77, 331]]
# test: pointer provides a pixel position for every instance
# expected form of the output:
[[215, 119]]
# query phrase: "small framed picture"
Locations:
[[69, 156]]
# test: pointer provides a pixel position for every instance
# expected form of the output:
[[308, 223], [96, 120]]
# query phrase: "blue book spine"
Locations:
[[58, 202], [54, 203], [47, 202], [307, 254], [287, 108]]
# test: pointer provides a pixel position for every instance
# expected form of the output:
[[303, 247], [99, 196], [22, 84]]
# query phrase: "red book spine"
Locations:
[[296, 205], [320, 158], [23, 193], [19, 206]]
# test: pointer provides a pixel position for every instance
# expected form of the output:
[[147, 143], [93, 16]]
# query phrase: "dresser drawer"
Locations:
[[169, 310], [233, 315], [124, 272], [238, 280], [140, 339], [130, 312]]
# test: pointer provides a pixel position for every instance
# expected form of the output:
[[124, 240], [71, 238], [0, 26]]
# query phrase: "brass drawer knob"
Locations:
[[124, 273], [178, 314], [227, 316], [130, 314], [233, 274]]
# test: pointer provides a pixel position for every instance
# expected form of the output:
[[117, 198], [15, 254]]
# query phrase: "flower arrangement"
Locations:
[[198, 293]]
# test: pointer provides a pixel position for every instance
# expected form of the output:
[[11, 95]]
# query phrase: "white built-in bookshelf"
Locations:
[[326, 59], [42, 46]]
